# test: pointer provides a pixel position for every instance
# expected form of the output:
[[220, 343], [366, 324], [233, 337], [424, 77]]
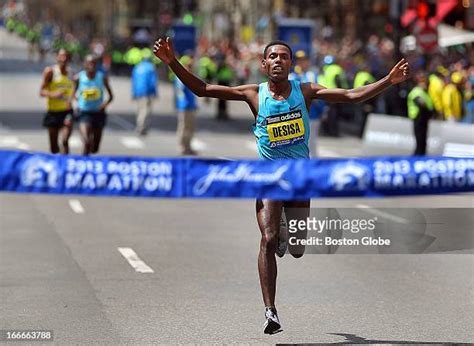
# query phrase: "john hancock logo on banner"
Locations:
[[242, 173]]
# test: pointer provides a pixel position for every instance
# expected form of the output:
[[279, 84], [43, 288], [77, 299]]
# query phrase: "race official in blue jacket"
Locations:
[[144, 90]]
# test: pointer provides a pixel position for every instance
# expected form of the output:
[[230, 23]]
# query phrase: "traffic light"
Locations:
[[426, 9]]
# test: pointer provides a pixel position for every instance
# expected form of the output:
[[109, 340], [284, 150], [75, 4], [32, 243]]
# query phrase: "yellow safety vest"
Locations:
[[435, 90], [413, 109], [452, 102], [133, 56], [62, 83], [330, 73], [362, 78]]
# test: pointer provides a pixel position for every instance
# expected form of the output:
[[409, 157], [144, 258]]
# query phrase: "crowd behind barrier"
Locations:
[[345, 62]]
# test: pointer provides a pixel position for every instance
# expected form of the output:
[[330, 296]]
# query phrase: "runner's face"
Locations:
[[89, 65], [62, 58], [421, 80], [277, 63]]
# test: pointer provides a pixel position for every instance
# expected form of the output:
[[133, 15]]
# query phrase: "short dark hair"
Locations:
[[277, 43]]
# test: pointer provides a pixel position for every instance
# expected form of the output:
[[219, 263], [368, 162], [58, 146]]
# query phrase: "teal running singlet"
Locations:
[[282, 127]]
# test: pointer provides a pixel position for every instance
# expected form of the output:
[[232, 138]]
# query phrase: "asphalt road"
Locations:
[[61, 268]]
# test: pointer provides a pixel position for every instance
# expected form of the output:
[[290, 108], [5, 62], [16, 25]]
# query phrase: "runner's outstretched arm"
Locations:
[[163, 49], [398, 74]]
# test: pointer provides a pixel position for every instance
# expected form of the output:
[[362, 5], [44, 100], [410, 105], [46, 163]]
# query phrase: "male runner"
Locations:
[[89, 92], [268, 102], [58, 87]]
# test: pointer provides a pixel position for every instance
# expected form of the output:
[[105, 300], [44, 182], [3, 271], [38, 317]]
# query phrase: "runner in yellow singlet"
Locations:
[[57, 86]]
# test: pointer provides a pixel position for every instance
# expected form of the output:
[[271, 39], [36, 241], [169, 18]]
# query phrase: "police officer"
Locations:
[[334, 77], [207, 70], [133, 56], [224, 76], [362, 78], [420, 110]]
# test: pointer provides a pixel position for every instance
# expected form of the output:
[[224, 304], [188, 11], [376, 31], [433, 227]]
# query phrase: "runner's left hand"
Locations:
[[400, 72]]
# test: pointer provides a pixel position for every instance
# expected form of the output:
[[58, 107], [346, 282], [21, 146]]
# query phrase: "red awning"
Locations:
[[408, 17], [442, 9]]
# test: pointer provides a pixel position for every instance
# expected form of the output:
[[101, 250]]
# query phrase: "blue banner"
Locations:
[[200, 178], [184, 38], [298, 33], [101, 176], [302, 179]]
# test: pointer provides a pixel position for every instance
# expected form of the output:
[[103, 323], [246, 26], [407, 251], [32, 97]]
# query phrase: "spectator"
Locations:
[[435, 89], [420, 110], [453, 99], [186, 105], [334, 77], [224, 76], [469, 118], [364, 77], [144, 89]]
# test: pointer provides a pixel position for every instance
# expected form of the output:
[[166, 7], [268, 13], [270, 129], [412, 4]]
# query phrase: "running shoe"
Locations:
[[272, 324]]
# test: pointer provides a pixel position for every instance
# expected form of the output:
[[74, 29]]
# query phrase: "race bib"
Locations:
[[285, 129], [91, 94]]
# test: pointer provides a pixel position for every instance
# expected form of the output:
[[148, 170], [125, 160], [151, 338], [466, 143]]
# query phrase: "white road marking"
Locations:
[[383, 214], [132, 142], [225, 158], [75, 142], [198, 145], [13, 141], [121, 122], [134, 260], [76, 206]]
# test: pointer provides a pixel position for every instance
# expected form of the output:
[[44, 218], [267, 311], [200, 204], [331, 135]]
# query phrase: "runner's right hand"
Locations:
[[163, 50]]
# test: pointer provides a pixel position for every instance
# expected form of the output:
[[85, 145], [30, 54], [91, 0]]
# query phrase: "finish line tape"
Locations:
[[24, 172]]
